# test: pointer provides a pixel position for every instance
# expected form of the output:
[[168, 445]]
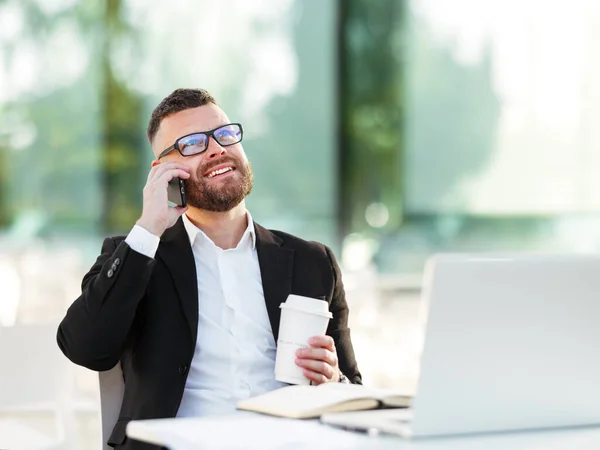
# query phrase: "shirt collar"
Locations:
[[193, 231]]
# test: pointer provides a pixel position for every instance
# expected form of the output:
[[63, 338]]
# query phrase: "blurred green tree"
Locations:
[[78, 152], [371, 108]]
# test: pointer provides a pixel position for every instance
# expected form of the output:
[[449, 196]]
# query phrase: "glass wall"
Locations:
[[271, 66], [469, 126], [79, 79]]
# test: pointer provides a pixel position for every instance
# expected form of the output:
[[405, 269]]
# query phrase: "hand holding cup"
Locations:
[[319, 361], [303, 319]]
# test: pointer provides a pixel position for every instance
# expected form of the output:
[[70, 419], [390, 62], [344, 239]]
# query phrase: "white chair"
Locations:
[[14, 434], [35, 377], [112, 389]]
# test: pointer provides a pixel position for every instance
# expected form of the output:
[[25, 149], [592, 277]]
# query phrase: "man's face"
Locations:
[[206, 189]]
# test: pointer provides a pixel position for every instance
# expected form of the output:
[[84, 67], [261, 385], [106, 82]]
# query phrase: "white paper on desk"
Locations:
[[251, 431]]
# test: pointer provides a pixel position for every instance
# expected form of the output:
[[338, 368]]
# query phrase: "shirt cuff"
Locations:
[[142, 241]]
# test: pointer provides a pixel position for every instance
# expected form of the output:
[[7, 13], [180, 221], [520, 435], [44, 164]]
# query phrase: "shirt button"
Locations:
[[183, 369]]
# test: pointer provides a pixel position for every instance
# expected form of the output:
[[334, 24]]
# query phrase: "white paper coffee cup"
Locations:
[[301, 319]]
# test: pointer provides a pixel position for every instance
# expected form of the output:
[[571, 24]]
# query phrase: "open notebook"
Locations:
[[306, 402]]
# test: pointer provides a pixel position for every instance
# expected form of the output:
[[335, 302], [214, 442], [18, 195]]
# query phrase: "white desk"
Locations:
[[254, 431]]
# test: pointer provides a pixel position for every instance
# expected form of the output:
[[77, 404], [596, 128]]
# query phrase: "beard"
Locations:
[[222, 196]]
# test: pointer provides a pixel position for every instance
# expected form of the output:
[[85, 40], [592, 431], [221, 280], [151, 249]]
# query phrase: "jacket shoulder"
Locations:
[[297, 243]]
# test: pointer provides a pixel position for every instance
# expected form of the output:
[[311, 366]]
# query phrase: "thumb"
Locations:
[[175, 212], [180, 210]]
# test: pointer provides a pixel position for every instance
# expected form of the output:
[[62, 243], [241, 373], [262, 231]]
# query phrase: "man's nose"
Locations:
[[214, 149]]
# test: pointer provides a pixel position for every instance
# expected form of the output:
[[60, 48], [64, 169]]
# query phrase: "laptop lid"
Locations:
[[512, 342]]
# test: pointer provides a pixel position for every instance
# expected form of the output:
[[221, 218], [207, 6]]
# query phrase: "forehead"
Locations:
[[202, 118]]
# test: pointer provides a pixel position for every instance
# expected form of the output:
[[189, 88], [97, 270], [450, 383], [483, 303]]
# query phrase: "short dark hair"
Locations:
[[178, 100]]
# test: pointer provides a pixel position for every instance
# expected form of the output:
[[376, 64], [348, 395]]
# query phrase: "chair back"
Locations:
[[34, 373], [112, 389]]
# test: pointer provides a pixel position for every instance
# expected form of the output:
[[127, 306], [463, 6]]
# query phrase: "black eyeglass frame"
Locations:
[[208, 134]]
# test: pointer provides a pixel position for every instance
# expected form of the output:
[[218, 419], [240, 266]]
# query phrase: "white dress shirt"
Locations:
[[234, 357]]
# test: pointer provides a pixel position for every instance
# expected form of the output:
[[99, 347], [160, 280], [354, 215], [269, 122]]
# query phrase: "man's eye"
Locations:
[[226, 136]]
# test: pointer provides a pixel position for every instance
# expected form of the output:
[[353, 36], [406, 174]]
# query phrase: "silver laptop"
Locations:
[[512, 342]]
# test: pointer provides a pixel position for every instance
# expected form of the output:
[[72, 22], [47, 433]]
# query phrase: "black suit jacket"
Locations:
[[143, 312]]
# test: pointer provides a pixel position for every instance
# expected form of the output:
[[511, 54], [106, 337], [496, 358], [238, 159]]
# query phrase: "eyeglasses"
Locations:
[[195, 143]]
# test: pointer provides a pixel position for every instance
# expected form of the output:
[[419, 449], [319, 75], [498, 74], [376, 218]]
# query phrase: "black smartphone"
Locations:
[[176, 192]]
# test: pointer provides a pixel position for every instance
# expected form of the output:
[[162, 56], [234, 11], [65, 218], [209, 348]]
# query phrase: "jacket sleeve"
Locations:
[[338, 326], [95, 328]]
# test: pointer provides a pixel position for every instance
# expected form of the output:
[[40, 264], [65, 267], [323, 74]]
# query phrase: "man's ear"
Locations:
[[155, 163]]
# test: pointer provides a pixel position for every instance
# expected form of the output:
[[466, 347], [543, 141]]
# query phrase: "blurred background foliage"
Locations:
[[394, 128]]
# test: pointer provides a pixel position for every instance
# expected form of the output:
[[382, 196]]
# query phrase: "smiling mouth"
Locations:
[[219, 172]]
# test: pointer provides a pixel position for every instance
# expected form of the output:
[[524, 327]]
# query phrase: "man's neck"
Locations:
[[225, 229]]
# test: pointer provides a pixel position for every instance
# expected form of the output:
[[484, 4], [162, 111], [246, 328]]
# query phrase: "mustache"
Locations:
[[225, 159]]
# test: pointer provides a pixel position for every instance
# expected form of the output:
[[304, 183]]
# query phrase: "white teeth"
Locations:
[[219, 172]]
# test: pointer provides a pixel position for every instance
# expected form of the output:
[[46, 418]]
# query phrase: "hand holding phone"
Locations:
[[157, 215]]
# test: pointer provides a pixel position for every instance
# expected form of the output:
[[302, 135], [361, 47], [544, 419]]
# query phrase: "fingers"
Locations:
[[315, 377], [317, 368], [172, 168], [319, 362], [318, 354], [170, 174], [322, 342]]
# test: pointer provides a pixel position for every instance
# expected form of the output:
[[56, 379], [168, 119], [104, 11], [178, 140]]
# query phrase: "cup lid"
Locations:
[[307, 304]]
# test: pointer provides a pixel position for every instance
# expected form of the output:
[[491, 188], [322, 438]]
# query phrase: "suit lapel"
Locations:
[[276, 265], [176, 252]]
